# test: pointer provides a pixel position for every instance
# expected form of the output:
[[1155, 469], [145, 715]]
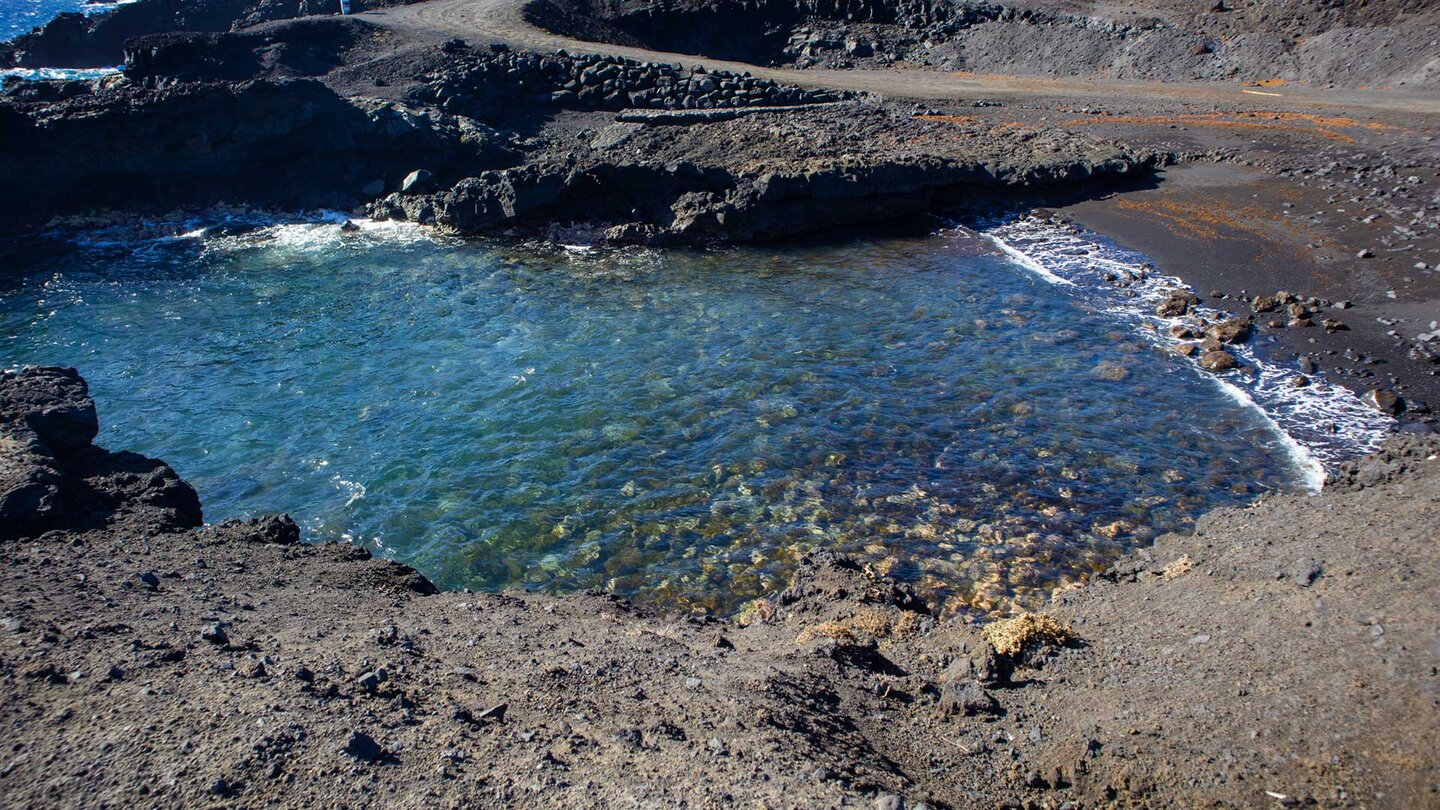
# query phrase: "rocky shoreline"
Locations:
[[486, 139], [1282, 653], [146, 657]]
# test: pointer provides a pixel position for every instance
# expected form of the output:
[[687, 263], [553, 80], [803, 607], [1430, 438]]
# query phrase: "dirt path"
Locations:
[[501, 20]]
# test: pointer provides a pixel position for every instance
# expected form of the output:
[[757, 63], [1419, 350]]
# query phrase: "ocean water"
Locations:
[[677, 425], [22, 16]]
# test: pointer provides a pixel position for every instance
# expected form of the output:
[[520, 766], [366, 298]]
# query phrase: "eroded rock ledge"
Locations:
[[476, 140], [1287, 648]]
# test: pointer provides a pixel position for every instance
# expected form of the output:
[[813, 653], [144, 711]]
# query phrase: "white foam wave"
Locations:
[[314, 232], [103, 8], [1317, 426], [49, 74]]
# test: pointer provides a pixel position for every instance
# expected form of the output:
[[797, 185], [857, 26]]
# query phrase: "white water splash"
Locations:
[[1318, 426], [51, 74]]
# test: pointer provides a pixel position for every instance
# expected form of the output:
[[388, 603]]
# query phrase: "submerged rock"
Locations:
[[1234, 330], [1218, 361], [1177, 303]]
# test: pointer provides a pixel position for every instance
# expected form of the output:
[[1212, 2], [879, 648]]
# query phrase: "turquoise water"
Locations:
[[676, 426]]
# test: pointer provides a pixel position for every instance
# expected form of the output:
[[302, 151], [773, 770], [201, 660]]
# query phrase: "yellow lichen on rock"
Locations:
[[1011, 636]]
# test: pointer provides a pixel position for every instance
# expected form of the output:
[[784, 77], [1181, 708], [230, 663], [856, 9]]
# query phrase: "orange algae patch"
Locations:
[[1200, 219], [1207, 217], [1325, 126], [948, 119]]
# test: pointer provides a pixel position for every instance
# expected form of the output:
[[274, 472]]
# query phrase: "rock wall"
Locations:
[[53, 477], [116, 143], [690, 202], [482, 82], [302, 48]]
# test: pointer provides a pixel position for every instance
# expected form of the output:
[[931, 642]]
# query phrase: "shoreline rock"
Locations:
[[292, 674], [507, 137]]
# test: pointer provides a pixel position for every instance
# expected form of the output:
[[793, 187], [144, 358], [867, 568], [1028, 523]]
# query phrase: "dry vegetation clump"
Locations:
[[1014, 635], [834, 631], [865, 623], [756, 611]]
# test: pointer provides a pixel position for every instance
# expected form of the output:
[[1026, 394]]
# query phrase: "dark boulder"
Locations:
[[1177, 303], [52, 402], [1232, 331], [1218, 361], [1383, 401], [52, 476]]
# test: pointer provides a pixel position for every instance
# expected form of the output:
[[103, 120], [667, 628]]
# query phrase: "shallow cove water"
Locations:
[[673, 425]]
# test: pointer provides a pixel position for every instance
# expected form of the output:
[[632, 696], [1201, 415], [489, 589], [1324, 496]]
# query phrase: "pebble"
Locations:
[[888, 801]]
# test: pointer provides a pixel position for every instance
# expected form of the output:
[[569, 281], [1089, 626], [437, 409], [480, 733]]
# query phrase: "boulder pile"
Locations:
[[484, 79]]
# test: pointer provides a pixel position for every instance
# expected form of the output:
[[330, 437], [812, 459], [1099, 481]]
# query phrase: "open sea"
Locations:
[[971, 411]]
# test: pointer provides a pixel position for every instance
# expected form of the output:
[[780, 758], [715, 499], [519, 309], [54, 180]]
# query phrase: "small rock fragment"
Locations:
[[1383, 401], [967, 698]]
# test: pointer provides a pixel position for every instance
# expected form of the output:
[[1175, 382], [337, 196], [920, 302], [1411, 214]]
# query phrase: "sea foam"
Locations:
[[1318, 426]]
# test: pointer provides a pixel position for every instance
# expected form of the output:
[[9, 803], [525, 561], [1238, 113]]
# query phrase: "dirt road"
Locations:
[[502, 21]]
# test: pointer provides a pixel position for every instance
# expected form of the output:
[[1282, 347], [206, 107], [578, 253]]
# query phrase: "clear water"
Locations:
[[677, 426]]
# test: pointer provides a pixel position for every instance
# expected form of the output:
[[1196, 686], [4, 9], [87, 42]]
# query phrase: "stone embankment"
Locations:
[[479, 79]]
